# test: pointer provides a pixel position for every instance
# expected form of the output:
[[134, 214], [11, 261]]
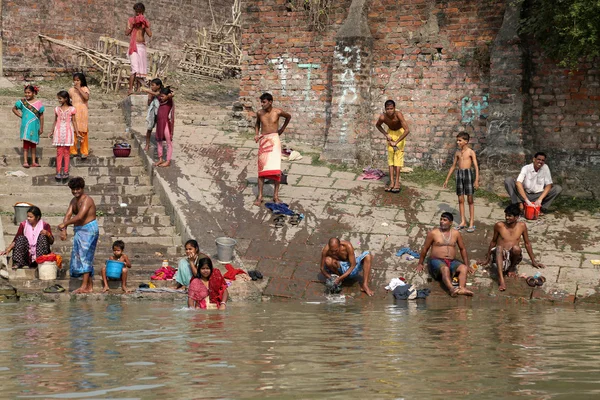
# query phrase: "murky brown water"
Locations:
[[298, 350]]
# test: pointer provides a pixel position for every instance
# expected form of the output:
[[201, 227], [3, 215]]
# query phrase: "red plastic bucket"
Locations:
[[532, 211]]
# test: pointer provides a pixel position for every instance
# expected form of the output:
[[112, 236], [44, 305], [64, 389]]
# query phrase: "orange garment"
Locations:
[[83, 145], [81, 105]]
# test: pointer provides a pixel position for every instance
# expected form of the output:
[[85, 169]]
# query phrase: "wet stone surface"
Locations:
[[212, 186]]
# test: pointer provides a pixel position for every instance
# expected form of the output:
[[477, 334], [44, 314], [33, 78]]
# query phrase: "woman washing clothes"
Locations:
[[188, 266], [33, 239], [207, 289]]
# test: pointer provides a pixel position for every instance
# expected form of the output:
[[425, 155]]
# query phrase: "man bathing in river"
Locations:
[[338, 258], [82, 215], [269, 146], [504, 247], [442, 263]]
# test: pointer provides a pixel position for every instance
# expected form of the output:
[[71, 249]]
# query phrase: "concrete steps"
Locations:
[[142, 224]]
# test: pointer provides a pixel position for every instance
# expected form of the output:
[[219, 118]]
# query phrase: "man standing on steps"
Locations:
[[82, 215], [269, 146]]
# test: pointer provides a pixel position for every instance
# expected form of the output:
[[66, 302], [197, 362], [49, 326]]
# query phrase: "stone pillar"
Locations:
[[503, 153], [348, 135]]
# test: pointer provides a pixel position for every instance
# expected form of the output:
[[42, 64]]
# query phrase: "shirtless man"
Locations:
[[442, 262], [82, 215], [137, 27], [397, 132], [267, 132], [338, 258], [504, 247]]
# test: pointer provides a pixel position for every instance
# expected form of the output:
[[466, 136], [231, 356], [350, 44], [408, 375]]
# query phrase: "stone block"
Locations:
[[300, 169], [341, 175], [316, 181]]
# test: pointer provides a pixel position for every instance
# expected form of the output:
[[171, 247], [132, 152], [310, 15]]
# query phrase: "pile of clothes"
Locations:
[[50, 258], [403, 290], [164, 274]]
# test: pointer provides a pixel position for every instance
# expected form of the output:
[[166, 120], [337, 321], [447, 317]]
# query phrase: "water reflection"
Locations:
[[410, 350]]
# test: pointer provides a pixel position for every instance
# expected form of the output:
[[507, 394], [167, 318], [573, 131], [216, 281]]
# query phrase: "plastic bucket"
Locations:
[[532, 211], [47, 271], [114, 269], [21, 211], [225, 247]]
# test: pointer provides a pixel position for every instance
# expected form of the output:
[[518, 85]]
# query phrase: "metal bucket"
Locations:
[[225, 248], [21, 211]]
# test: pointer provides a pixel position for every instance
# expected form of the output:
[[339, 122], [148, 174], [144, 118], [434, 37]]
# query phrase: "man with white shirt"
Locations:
[[533, 185]]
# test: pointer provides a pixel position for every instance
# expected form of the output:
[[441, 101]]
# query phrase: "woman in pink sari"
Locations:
[[208, 289], [33, 239]]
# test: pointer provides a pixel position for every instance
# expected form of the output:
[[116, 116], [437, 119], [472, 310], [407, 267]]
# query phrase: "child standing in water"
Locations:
[[80, 94], [165, 122], [465, 158], [31, 112], [64, 131]]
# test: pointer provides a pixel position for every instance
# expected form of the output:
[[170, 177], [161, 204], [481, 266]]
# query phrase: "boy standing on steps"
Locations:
[[397, 132], [465, 158], [118, 247], [267, 132]]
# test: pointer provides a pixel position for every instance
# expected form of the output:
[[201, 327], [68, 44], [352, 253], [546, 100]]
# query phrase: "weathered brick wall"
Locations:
[[564, 120], [428, 56], [449, 65], [173, 23], [291, 62]]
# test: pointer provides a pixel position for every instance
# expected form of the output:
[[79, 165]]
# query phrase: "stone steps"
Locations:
[[143, 224]]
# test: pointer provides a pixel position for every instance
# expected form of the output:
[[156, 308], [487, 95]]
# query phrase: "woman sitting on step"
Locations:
[[33, 239], [188, 266]]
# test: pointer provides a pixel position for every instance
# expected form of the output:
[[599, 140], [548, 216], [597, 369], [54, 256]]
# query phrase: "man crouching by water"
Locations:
[[82, 215], [338, 257], [442, 263], [504, 247]]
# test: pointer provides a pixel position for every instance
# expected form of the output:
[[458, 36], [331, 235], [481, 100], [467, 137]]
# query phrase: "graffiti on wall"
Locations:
[[471, 110], [284, 66], [349, 93]]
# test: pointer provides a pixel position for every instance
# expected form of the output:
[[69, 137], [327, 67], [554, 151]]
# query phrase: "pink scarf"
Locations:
[[135, 21], [32, 235]]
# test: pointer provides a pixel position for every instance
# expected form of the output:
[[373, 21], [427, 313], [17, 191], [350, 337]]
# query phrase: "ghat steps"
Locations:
[[127, 206]]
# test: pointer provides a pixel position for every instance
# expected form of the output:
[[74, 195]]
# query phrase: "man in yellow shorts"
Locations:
[[397, 132]]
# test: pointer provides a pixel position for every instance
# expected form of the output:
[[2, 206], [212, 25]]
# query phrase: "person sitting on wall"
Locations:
[[533, 185], [33, 239]]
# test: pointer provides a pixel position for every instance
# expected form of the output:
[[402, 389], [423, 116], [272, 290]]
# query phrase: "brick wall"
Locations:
[[564, 120], [449, 65], [173, 23], [428, 56]]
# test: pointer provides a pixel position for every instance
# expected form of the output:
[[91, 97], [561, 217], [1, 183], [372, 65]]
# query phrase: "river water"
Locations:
[[285, 350]]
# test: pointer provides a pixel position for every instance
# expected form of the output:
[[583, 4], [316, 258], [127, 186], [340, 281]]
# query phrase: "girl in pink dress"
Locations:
[[64, 131]]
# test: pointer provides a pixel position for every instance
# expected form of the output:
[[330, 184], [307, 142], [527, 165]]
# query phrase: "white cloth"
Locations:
[[394, 283], [534, 182]]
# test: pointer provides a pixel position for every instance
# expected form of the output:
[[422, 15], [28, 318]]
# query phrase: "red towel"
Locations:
[[232, 272], [137, 22]]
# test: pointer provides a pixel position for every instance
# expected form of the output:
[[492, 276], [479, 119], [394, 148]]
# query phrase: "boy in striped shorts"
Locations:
[[465, 158]]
